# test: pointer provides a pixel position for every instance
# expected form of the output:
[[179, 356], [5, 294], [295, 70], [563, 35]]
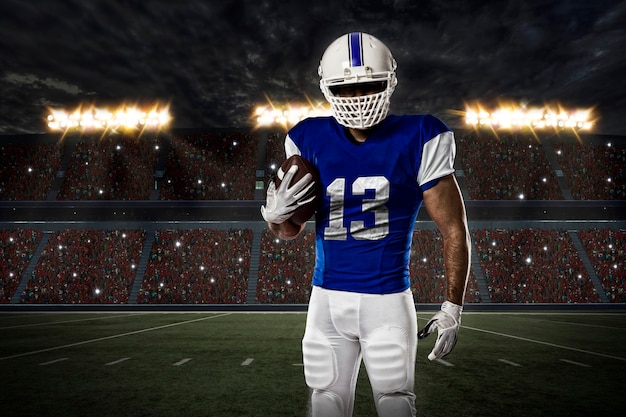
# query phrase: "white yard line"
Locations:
[[509, 362], [115, 336], [53, 361], [247, 362], [182, 362], [117, 361], [571, 323], [584, 365], [68, 321], [545, 343]]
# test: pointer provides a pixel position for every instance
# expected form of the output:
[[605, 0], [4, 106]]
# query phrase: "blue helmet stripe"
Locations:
[[356, 50]]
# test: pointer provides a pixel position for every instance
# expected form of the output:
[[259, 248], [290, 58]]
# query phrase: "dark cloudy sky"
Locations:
[[215, 60]]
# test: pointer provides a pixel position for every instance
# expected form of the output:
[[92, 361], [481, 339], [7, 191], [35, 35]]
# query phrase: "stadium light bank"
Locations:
[[512, 117], [98, 119], [287, 115], [507, 117]]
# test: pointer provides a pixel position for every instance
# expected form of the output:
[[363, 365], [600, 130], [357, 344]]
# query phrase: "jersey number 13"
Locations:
[[336, 230]]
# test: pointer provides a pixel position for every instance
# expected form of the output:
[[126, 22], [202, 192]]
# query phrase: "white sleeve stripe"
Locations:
[[291, 148], [437, 158]]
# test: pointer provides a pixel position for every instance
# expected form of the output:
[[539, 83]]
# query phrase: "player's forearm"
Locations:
[[445, 206], [456, 254]]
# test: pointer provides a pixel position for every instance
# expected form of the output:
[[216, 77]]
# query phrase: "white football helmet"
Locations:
[[358, 58]]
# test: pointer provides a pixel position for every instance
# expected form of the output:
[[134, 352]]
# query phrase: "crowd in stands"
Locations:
[[286, 269], [198, 266], [594, 172], [81, 266], [91, 266], [606, 249], [532, 266], [16, 249], [222, 166], [206, 266], [111, 168], [506, 168], [210, 167], [275, 154], [28, 172]]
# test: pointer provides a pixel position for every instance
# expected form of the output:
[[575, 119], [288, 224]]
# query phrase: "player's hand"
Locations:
[[447, 322], [283, 201]]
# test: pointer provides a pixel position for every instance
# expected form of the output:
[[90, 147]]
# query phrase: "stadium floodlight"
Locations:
[[156, 117], [287, 115], [520, 117]]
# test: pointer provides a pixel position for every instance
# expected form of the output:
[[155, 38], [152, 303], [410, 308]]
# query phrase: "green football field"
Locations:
[[249, 364]]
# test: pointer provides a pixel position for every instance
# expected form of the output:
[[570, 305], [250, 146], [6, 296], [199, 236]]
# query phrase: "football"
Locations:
[[303, 213]]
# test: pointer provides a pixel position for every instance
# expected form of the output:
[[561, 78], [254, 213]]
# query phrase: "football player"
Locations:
[[376, 171]]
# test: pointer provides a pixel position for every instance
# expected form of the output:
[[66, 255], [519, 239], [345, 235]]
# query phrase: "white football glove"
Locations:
[[447, 322], [282, 202]]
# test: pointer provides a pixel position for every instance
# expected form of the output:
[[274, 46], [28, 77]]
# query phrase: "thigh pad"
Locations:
[[387, 359], [320, 361]]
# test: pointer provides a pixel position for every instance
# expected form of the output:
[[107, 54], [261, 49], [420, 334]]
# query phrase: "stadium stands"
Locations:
[[200, 266], [80, 266], [532, 266], [95, 264], [274, 155], [111, 168], [594, 172], [606, 249], [16, 249], [210, 167], [506, 169], [222, 166], [286, 269], [27, 171], [205, 266]]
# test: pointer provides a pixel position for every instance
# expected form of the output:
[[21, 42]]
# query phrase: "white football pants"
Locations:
[[344, 327]]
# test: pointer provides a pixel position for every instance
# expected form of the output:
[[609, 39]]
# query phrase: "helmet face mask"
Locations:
[[357, 78]]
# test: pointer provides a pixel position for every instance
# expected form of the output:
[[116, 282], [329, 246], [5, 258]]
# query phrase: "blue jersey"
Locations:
[[372, 192]]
